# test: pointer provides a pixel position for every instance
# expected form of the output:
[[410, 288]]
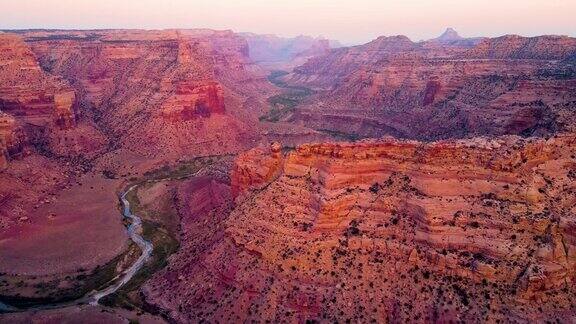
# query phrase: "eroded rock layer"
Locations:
[[390, 230], [193, 100], [26, 90], [430, 90], [136, 84], [123, 102]]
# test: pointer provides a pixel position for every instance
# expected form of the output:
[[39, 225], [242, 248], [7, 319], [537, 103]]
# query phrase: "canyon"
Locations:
[[388, 230], [281, 53], [509, 85], [288, 179]]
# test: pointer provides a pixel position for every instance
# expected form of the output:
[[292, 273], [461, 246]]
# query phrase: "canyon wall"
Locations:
[[27, 91], [191, 101], [30, 99], [428, 91], [78, 102], [139, 84], [390, 230], [383, 230]]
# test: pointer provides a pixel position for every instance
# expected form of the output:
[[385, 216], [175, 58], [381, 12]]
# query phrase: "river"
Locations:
[[134, 230]]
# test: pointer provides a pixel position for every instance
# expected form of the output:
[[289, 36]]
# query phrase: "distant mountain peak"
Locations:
[[449, 35]]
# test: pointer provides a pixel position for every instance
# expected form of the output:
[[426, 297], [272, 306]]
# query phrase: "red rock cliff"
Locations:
[[27, 91], [194, 100], [392, 86], [137, 80], [12, 139], [387, 230], [506, 202], [256, 168]]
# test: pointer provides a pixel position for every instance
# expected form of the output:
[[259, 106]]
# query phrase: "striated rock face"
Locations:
[[390, 230], [134, 81], [193, 101], [429, 90], [518, 47], [382, 230], [27, 91], [39, 109], [78, 102], [256, 168]]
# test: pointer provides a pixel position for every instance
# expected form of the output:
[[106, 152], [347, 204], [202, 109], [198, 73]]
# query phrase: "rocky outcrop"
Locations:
[[450, 38], [41, 108], [449, 35], [256, 168], [64, 114], [485, 223]]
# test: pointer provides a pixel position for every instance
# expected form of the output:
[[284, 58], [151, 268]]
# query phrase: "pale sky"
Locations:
[[350, 21]]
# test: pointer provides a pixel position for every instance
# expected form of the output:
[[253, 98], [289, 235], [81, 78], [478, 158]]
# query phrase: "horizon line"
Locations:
[[48, 29]]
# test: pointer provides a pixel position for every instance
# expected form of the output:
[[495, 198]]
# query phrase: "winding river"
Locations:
[[134, 230]]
